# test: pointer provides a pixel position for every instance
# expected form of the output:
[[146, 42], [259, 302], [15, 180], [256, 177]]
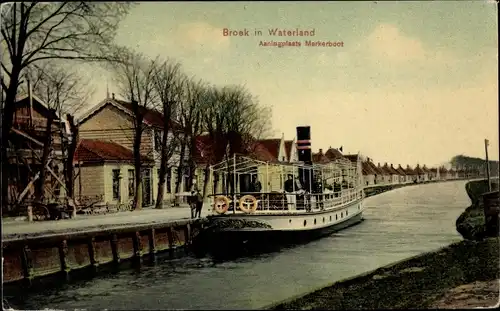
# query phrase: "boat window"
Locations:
[[290, 221], [314, 220], [341, 214], [305, 223], [336, 216], [323, 219], [346, 213], [330, 217]]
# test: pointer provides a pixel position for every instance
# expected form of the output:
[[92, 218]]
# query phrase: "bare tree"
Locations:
[[135, 76], [38, 31], [168, 83], [59, 86]]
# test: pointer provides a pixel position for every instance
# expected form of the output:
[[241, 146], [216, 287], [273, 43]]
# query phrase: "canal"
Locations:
[[398, 224]]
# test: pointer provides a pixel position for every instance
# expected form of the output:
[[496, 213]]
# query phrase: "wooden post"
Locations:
[[136, 241], [63, 253], [170, 241], [114, 249], [92, 254], [152, 246], [27, 264], [80, 181], [486, 143], [187, 237]]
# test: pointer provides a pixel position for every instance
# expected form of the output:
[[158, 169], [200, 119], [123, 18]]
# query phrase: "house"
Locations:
[[106, 169], [386, 175], [369, 174], [111, 120], [391, 175], [402, 174], [277, 147], [420, 173], [426, 172], [356, 160], [379, 174], [433, 173], [25, 153], [443, 173], [411, 175]]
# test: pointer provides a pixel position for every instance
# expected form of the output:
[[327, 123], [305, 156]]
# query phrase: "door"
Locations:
[[146, 187], [245, 180]]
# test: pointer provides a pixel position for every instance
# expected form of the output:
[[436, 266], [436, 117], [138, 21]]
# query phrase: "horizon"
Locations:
[[398, 90]]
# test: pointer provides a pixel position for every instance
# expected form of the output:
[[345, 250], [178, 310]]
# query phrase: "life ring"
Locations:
[[221, 204], [248, 207]]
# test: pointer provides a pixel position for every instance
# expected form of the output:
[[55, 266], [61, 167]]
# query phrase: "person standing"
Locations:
[[256, 185]]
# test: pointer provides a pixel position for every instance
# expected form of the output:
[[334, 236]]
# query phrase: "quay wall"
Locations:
[[378, 189], [28, 260]]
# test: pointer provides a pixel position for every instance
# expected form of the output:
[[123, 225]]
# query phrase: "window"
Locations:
[[169, 180], [116, 184], [131, 183], [158, 139], [283, 159]]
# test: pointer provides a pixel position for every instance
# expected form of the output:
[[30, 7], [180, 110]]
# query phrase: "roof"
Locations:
[[418, 170], [320, 158], [409, 170], [400, 170], [368, 169], [334, 154], [152, 117], [98, 151], [374, 168], [390, 169], [352, 157], [36, 100], [272, 145], [204, 151]]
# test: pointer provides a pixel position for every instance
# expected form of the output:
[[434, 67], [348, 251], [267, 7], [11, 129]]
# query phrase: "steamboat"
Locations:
[[274, 203]]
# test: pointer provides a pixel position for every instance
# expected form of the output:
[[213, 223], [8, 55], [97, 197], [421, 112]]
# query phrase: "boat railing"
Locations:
[[279, 202]]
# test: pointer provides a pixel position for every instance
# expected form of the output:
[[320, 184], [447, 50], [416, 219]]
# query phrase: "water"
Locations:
[[399, 224]]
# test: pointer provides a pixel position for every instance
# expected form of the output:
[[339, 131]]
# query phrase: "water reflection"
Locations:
[[399, 224]]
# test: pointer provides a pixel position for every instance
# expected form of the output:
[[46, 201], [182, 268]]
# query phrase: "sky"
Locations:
[[410, 82]]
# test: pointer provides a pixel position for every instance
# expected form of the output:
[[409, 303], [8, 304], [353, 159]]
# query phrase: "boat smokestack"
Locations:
[[304, 144]]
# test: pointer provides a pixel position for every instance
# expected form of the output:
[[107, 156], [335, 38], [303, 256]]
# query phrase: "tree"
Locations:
[[190, 112], [135, 76], [168, 84], [37, 31]]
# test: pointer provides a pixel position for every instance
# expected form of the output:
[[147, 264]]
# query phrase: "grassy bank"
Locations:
[[419, 282]]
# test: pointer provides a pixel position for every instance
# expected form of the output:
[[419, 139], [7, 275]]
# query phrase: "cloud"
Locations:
[[196, 35], [386, 41]]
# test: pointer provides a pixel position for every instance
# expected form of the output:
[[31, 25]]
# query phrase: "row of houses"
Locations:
[[389, 174], [104, 156]]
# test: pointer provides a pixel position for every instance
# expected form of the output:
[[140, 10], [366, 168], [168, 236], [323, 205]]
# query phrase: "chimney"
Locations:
[[378, 164], [113, 95], [385, 164], [304, 144], [392, 166], [320, 151]]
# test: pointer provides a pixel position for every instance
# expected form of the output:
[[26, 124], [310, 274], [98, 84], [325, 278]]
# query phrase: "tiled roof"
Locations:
[[272, 145], [151, 116], [334, 154], [368, 169], [320, 158], [97, 151], [390, 170], [409, 170], [400, 170], [418, 170], [375, 169], [352, 157]]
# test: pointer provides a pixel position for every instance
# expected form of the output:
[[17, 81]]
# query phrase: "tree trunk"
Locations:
[[206, 180], [192, 164], [7, 122], [70, 170], [163, 172], [138, 167], [180, 170], [39, 192]]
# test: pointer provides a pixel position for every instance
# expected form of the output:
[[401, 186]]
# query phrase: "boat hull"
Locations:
[[282, 230]]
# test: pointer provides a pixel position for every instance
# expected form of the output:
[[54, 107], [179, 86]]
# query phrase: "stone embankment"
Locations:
[[462, 275]]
